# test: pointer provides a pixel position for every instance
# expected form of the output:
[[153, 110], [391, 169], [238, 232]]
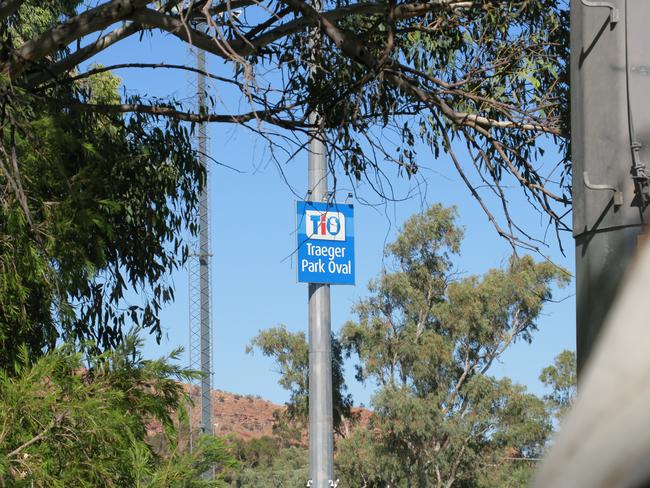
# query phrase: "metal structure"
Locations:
[[321, 442], [610, 141], [321, 424], [604, 441], [200, 325]]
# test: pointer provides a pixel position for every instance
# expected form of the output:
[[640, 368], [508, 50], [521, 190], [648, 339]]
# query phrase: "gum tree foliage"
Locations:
[[65, 425], [562, 378], [428, 338], [91, 205], [96, 188], [290, 352], [267, 462]]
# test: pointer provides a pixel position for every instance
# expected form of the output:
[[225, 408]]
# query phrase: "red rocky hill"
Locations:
[[245, 416]]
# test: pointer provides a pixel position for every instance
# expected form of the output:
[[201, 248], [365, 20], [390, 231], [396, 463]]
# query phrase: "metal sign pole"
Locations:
[[321, 443]]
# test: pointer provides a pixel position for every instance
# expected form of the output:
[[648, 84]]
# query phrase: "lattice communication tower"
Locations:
[[200, 296]]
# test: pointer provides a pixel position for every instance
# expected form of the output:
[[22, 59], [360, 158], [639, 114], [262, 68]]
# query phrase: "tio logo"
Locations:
[[327, 226]]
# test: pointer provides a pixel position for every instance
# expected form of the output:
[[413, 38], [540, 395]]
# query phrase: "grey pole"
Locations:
[[610, 141], [204, 260], [321, 443], [321, 426]]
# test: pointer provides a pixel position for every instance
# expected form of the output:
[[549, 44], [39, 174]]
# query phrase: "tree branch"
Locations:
[[514, 241], [180, 29], [403, 11], [55, 421], [8, 8], [61, 35], [355, 49], [162, 111], [70, 62], [181, 67]]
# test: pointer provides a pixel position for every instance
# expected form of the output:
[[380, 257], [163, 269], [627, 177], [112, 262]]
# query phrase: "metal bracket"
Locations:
[[331, 484], [618, 195], [640, 172], [613, 10]]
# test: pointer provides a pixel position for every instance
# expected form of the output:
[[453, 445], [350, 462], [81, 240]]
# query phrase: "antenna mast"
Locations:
[[200, 325]]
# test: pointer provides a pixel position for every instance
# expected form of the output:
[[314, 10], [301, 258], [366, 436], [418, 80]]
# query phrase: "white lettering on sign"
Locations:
[[312, 266], [318, 266], [339, 268], [329, 251], [326, 226]]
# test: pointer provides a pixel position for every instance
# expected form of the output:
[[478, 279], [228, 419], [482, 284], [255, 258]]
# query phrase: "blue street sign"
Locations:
[[325, 243]]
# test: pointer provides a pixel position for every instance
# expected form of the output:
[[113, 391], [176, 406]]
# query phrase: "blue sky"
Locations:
[[252, 230]]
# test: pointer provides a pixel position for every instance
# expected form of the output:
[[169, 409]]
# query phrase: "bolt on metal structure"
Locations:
[[200, 325]]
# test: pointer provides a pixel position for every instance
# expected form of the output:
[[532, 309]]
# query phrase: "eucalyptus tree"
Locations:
[[425, 342], [290, 352], [490, 73], [428, 339], [562, 378], [97, 188]]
